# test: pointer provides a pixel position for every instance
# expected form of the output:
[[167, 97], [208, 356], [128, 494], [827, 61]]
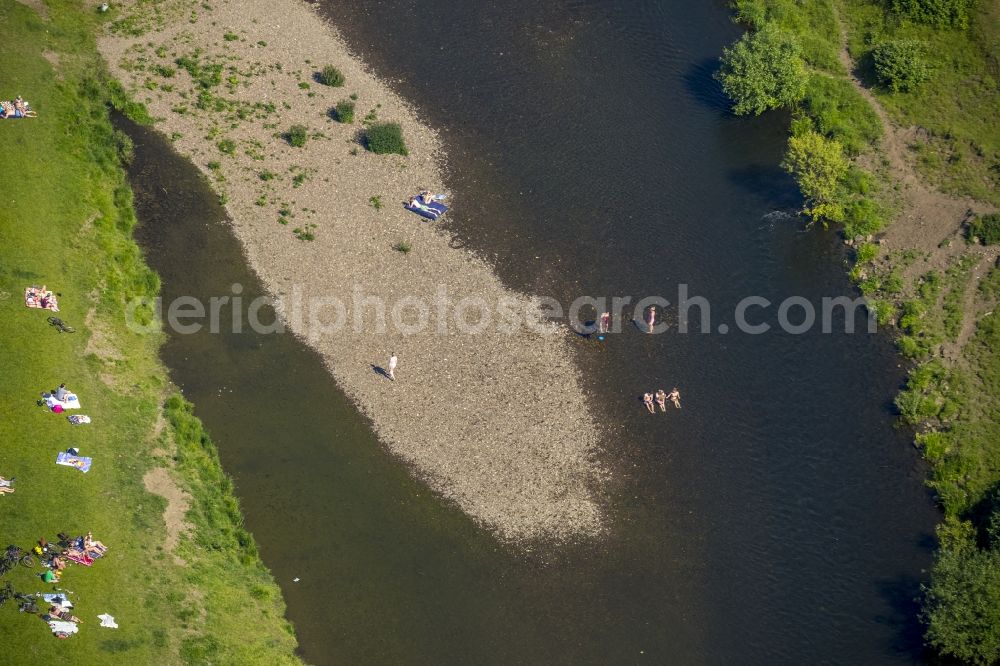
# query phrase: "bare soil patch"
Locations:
[[159, 482]]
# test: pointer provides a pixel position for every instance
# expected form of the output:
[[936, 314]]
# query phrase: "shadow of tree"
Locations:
[[700, 83]]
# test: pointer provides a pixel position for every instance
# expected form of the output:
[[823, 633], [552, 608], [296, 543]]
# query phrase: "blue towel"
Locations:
[[431, 211], [82, 463]]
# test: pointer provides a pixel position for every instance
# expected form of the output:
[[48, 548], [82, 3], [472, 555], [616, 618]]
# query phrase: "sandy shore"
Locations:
[[495, 421]]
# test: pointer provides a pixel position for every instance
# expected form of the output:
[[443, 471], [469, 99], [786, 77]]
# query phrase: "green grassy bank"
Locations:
[[65, 221], [935, 65]]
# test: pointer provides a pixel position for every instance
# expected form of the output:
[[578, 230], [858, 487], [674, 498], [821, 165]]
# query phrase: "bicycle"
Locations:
[[26, 603], [14, 556], [60, 325]]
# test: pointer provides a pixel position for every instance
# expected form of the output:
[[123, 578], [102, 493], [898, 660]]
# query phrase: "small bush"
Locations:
[[383, 138], [331, 76], [900, 64], [866, 252], [402, 246], [230, 36], [939, 13], [227, 146], [125, 146], [266, 175], [343, 112], [376, 202], [885, 312], [862, 217], [986, 228], [297, 135]]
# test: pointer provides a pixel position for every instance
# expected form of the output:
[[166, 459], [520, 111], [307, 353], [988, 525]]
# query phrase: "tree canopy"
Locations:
[[819, 165], [962, 603], [763, 70]]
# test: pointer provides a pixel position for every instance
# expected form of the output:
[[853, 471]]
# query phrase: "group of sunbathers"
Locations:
[[55, 557], [16, 109], [661, 400], [40, 297], [81, 550]]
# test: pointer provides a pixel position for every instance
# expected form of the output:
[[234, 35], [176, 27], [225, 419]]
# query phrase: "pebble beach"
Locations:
[[491, 416]]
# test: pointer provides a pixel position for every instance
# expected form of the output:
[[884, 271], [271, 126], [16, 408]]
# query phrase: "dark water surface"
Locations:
[[778, 518]]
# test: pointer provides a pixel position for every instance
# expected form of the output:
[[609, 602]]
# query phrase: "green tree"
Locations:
[[763, 70], [962, 604], [819, 165], [900, 64]]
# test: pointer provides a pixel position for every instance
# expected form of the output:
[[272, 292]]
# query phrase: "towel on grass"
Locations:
[[78, 419], [108, 621], [69, 402], [33, 298], [86, 560], [58, 599], [63, 627], [82, 463]]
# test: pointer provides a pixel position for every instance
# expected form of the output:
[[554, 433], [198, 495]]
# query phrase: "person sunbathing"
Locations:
[[6, 486], [93, 547], [648, 400], [415, 202], [661, 400], [62, 392], [77, 554], [57, 613], [57, 563]]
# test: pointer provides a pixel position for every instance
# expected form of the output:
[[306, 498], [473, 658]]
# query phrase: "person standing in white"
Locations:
[[392, 366]]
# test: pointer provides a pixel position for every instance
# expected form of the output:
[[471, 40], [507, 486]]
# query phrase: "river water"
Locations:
[[779, 517]]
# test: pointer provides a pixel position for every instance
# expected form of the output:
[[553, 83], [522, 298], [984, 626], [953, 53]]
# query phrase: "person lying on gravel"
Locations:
[[415, 202]]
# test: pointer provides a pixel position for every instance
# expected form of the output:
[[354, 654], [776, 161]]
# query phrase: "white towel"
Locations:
[[71, 401], [63, 627]]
